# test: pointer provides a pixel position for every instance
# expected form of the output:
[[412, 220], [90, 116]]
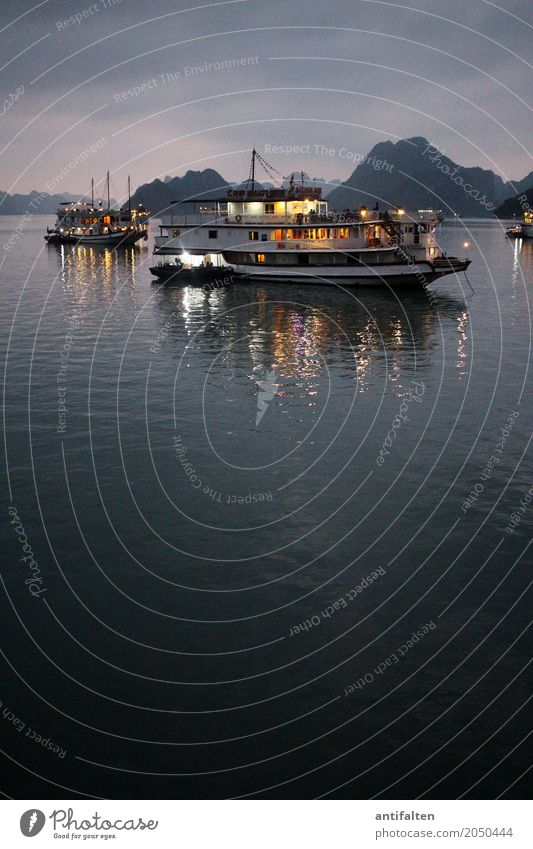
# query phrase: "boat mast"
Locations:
[[253, 168], [108, 198], [129, 195], [92, 192]]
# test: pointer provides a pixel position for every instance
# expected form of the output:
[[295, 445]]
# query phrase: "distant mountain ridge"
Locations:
[[36, 203], [516, 205], [409, 172], [413, 174], [158, 195]]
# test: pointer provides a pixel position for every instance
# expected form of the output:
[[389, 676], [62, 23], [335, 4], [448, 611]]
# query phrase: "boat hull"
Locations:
[[383, 275], [214, 278], [105, 240]]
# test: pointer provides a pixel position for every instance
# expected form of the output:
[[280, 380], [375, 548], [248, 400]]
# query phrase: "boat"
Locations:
[[83, 222], [438, 214], [514, 232], [523, 230], [206, 275], [288, 234]]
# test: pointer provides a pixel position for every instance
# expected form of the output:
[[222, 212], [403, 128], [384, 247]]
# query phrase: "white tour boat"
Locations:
[[287, 234], [82, 222]]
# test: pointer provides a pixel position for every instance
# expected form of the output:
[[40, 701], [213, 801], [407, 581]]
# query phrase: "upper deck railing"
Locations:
[[212, 217], [295, 220]]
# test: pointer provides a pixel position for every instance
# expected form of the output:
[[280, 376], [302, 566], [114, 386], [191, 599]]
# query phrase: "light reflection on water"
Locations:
[[214, 579]]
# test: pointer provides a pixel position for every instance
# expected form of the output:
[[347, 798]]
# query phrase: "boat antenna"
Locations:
[[108, 198], [129, 195], [92, 192], [253, 168]]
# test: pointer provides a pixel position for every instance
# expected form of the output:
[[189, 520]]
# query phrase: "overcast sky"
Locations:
[[343, 74]]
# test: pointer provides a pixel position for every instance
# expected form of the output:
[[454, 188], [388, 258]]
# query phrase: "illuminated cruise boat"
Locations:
[[82, 222], [287, 234], [523, 230]]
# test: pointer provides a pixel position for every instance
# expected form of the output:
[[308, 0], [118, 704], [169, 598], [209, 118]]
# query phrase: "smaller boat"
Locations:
[[206, 275], [523, 230], [81, 222], [514, 232], [437, 214]]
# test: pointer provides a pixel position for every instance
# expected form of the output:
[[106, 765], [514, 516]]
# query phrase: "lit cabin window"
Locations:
[[253, 235], [269, 208], [260, 258], [175, 233]]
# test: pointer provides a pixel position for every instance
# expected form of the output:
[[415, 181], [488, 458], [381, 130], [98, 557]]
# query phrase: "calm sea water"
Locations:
[[276, 538]]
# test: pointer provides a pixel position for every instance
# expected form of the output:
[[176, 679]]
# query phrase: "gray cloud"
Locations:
[[346, 73]]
